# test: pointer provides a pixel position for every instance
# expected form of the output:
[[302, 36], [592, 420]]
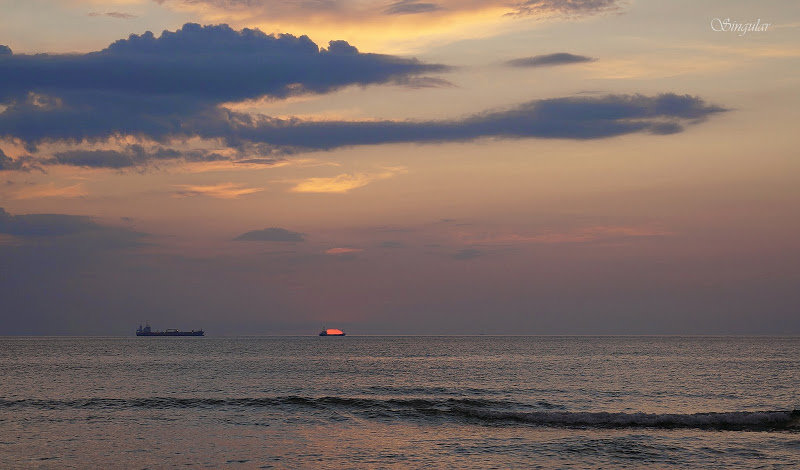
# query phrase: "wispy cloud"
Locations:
[[273, 234], [564, 7], [134, 155], [51, 190], [75, 227], [220, 191], [22, 163], [547, 60], [410, 7], [114, 14], [387, 24], [596, 233], [344, 182], [342, 251], [467, 253]]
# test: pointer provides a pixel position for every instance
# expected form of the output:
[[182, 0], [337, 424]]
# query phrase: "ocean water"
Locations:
[[400, 402]]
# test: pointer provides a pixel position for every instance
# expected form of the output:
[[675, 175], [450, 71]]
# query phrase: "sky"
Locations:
[[260, 167]]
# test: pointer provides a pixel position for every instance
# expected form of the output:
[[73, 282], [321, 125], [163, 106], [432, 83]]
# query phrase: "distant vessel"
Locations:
[[331, 332], [147, 331]]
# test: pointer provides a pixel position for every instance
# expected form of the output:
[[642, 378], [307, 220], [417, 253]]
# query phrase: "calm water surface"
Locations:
[[384, 402]]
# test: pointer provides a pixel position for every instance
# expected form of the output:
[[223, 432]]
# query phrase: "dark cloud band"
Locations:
[[546, 60], [150, 85], [567, 118], [562, 118], [172, 87], [71, 232], [273, 234], [131, 156], [206, 64]]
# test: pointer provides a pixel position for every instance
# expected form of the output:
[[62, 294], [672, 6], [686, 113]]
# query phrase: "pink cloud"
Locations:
[[342, 251]]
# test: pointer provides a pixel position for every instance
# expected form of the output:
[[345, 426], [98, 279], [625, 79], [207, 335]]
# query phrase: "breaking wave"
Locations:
[[475, 410]]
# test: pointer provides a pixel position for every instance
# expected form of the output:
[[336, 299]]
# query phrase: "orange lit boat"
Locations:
[[331, 332]]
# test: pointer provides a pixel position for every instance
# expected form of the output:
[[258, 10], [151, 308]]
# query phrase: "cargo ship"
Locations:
[[147, 331], [331, 332]]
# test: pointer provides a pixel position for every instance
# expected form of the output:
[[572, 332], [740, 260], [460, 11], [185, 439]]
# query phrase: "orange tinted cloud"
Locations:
[[342, 251], [582, 235], [220, 191], [51, 190], [390, 26], [344, 182]]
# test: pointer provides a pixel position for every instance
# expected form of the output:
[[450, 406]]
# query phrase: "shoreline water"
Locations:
[[365, 402]]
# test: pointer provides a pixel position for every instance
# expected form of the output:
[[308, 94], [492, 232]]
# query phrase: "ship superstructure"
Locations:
[[148, 331]]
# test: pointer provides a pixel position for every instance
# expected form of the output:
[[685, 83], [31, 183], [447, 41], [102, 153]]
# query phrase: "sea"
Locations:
[[400, 402]]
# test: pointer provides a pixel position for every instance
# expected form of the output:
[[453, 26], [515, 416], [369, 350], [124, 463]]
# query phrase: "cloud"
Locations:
[[51, 190], [581, 117], [558, 58], [8, 163], [357, 9], [410, 7], [114, 14], [273, 234], [207, 63], [564, 7], [44, 225], [342, 251], [73, 230], [425, 82], [397, 26], [589, 234], [467, 253], [391, 244], [165, 90], [344, 182], [220, 191], [150, 85], [577, 117], [429, 17], [131, 156], [55, 266]]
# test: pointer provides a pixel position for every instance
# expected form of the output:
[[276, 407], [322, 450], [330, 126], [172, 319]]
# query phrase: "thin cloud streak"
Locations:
[[131, 156], [591, 234], [569, 8], [272, 234], [114, 14], [342, 251], [71, 230], [548, 60], [411, 7], [344, 182], [50, 190], [219, 191]]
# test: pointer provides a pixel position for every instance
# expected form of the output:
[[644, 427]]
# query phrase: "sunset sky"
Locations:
[[399, 167]]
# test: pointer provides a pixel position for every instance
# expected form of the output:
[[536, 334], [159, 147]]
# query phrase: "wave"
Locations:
[[474, 410], [736, 420]]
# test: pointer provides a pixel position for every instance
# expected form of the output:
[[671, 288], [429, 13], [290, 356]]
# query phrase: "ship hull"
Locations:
[[170, 333]]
